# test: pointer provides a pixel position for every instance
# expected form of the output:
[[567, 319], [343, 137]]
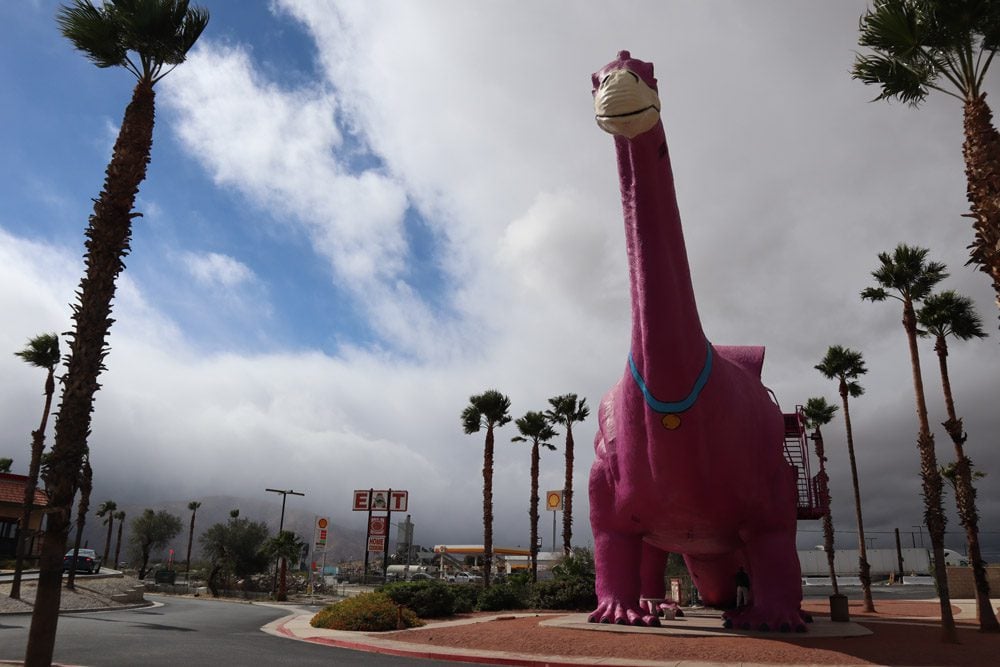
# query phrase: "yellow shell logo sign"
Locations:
[[322, 523], [553, 500]]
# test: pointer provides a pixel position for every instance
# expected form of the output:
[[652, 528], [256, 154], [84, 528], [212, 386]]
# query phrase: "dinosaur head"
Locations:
[[626, 102]]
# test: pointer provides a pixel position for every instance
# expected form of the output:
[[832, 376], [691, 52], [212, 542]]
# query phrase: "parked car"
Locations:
[[465, 578], [86, 561]]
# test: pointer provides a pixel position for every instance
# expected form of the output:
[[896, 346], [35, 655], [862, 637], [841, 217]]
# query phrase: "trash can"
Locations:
[[838, 609]]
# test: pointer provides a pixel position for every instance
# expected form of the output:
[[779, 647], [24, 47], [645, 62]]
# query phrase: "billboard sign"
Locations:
[[378, 526], [376, 543], [320, 533], [380, 500], [554, 501]]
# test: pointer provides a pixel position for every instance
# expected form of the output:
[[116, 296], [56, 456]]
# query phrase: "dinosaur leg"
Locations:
[[714, 577], [618, 559], [775, 584], [651, 580]]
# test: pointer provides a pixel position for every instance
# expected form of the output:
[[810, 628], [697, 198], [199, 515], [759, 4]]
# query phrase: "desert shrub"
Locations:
[[427, 599], [569, 593], [503, 596], [466, 597], [367, 612]]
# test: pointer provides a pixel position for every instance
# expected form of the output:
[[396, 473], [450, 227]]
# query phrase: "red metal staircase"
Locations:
[[812, 503]]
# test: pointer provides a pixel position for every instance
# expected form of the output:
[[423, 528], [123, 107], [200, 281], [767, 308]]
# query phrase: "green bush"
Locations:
[[503, 596], [466, 597], [367, 612], [427, 599], [568, 593]]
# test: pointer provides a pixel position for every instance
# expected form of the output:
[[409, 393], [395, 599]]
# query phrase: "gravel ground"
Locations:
[[91, 592], [904, 633]]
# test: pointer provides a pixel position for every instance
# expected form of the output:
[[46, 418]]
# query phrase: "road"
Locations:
[[194, 633]]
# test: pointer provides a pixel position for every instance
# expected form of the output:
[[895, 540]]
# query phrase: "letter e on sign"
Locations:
[[361, 500]]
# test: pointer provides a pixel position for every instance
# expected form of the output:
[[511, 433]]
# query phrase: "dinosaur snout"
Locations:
[[624, 105]]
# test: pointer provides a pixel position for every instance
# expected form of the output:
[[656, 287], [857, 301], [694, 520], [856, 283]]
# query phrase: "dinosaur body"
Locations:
[[689, 444]]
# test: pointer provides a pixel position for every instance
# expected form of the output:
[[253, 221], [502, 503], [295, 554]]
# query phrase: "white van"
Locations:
[[955, 559]]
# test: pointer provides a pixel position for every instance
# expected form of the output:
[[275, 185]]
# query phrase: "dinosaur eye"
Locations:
[[634, 75], [605, 79]]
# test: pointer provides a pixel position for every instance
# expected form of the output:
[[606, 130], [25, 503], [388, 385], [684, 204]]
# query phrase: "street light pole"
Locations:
[[281, 527]]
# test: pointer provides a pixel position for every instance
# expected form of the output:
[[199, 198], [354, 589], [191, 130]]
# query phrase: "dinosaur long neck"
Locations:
[[668, 345]]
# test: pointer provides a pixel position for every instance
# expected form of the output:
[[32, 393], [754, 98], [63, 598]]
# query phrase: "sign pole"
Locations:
[[385, 547], [368, 534]]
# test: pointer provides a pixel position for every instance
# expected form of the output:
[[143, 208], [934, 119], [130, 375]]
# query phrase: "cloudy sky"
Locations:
[[358, 214]]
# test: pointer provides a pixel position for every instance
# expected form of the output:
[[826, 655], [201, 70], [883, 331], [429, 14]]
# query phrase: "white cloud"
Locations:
[[212, 269], [789, 183]]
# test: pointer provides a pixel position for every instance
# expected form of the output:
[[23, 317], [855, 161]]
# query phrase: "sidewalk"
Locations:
[[903, 633]]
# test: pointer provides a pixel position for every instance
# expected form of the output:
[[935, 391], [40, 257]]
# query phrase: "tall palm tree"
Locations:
[[907, 276], [943, 315], [537, 430], [148, 38], [286, 546], [120, 517], [193, 506], [42, 352], [489, 409], [107, 509], [947, 46], [846, 365], [566, 411], [820, 413], [86, 486]]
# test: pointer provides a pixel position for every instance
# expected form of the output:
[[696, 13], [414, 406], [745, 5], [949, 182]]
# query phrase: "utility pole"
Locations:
[[281, 527]]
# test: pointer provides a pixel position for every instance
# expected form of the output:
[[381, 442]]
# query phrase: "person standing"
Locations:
[[742, 588]]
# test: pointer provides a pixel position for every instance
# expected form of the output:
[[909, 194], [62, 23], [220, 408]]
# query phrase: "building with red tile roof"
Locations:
[[11, 509]]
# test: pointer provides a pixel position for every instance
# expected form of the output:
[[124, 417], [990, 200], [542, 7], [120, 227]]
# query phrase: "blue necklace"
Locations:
[[671, 418]]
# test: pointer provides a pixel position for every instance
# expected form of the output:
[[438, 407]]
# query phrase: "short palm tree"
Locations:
[[147, 38], [567, 410], [946, 46], [819, 413], [107, 512], [537, 430], [491, 410], [285, 547], [86, 486], [42, 352], [943, 315], [193, 506], [846, 365], [907, 276], [120, 518]]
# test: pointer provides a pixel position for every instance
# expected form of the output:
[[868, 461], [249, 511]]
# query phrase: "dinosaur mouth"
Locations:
[[629, 114]]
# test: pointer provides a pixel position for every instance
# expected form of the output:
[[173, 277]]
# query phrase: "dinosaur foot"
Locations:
[[763, 619], [616, 611]]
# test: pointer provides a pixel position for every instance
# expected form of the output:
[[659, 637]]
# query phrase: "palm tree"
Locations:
[[489, 409], [534, 428], [193, 506], [42, 352], [820, 413], [947, 46], [942, 315], [846, 365], [286, 546], [148, 38], [908, 277], [566, 411], [107, 509], [120, 516], [86, 486]]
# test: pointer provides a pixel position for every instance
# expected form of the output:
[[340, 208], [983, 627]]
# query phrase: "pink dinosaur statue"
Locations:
[[689, 444]]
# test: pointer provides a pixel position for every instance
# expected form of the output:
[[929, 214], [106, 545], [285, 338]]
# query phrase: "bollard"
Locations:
[[838, 609]]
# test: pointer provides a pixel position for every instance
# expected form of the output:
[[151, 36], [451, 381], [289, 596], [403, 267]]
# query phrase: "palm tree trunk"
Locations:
[[568, 491], [982, 153], [864, 568], [965, 498], [533, 511], [34, 467], [118, 541], [107, 541], [283, 581], [824, 501], [107, 244], [190, 540], [488, 506], [931, 480]]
